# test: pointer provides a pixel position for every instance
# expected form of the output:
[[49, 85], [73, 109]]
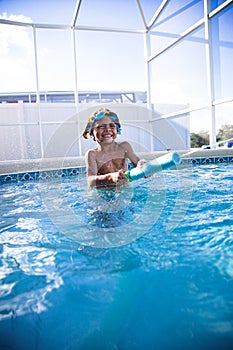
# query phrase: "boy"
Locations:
[[107, 163]]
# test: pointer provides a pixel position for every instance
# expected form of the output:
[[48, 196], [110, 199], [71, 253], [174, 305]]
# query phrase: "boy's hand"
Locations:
[[119, 176], [141, 162]]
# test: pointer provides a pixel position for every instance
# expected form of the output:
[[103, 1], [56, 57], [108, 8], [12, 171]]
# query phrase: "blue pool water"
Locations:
[[147, 267]]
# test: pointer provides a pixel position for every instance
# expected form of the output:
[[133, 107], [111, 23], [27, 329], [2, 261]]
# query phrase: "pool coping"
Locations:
[[42, 169]]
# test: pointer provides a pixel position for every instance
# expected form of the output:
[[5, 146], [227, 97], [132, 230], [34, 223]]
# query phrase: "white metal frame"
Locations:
[[209, 62], [149, 58]]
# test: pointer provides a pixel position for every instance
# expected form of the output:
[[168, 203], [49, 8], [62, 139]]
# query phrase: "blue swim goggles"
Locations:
[[101, 115]]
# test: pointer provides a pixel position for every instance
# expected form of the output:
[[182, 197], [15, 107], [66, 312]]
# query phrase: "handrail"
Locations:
[[224, 141]]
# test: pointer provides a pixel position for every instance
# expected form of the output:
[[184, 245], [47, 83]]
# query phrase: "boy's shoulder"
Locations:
[[91, 153], [123, 144]]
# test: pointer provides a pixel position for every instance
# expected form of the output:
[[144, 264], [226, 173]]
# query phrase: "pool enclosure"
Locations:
[[174, 56]]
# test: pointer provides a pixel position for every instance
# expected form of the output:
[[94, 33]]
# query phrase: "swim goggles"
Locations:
[[101, 115]]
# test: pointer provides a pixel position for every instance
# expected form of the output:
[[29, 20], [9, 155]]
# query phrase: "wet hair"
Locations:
[[98, 115]]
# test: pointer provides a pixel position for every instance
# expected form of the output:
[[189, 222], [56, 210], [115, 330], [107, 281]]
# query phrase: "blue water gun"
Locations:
[[158, 164]]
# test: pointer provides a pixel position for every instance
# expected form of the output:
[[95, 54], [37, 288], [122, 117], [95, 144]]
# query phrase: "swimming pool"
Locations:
[[167, 287]]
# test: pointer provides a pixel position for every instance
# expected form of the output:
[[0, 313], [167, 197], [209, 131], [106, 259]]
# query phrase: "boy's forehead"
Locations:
[[105, 119]]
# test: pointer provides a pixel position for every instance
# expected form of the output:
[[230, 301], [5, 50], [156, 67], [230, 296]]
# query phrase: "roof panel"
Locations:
[[122, 14], [110, 14], [43, 11], [149, 8]]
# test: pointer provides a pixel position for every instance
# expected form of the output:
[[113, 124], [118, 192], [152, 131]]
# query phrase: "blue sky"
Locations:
[[40, 11], [123, 13], [97, 51]]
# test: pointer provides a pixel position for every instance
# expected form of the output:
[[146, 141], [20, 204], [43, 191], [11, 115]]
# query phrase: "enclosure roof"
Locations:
[[133, 15]]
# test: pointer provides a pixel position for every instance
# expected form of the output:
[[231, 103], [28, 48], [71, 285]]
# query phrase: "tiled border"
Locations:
[[209, 160], [41, 175], [69, 172]]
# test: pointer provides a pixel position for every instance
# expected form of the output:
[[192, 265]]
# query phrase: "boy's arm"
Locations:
[[91, 168], [130, 154]]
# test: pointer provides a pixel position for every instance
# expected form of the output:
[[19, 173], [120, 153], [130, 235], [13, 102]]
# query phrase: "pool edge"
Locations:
[[37, 169]]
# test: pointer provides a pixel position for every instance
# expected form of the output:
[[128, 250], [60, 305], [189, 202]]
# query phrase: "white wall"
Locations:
[[31, 131]]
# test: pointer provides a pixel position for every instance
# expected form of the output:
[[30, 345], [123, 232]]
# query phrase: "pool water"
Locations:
[[146, 267]]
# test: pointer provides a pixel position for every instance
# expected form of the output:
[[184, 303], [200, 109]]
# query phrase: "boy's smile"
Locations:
[[107, 136]]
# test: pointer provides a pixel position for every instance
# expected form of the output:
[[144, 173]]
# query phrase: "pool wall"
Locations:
[[37, 169]]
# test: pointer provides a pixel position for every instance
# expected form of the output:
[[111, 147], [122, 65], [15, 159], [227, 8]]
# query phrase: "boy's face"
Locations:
[[105, 130]]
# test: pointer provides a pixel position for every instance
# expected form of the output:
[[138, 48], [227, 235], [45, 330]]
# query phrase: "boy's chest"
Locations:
[[111, 162]]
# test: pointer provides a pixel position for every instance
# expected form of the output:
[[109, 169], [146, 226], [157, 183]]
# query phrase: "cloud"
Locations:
[[12, 36], [16, 55], [16, 18]]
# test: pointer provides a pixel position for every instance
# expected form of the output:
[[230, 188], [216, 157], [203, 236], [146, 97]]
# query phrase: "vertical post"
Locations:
[[36, 65], [210, 74], [76, 97], [22, 126], [147, 64], [75, 67], [148, 92], [100, 97], [38, 93]]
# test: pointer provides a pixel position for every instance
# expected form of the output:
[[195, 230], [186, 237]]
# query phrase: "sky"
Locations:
[[113, 61], [55, 48]]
